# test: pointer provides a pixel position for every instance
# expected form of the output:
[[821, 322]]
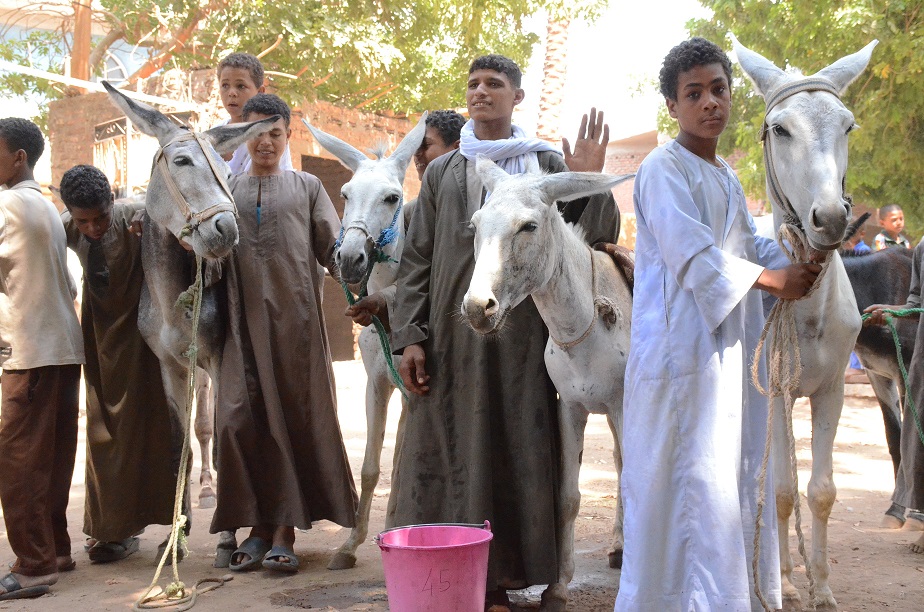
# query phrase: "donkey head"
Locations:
[[806, 141], [372, 199], [519, 237], [188, 193]]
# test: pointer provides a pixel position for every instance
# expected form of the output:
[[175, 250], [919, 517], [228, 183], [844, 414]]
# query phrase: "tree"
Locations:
[[555, 65], [402, 55], [887, 154]]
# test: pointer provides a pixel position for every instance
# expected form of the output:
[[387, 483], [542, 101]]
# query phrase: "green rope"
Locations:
[[176, 594], [907, 312], [379, 256]]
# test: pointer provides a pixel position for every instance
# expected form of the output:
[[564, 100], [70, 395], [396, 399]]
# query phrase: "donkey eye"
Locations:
[[182, 160], [852, 128], [528, 227], [392, 199], [779, 130], [343, 196]]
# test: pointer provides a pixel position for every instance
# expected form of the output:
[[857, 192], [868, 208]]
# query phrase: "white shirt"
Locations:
[[38, 322]]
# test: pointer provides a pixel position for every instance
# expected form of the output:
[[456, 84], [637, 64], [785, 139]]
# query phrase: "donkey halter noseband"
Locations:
[[193, 218]]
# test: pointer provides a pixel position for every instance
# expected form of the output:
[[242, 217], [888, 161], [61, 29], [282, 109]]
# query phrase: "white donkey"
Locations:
[[187, 197], [524, 248], [370, 246], [805, 139]]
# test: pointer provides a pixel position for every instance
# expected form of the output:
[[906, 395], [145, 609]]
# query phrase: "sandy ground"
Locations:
[[872, 568]]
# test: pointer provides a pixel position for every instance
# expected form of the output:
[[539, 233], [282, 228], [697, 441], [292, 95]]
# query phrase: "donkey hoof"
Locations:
[[615, 558], [554, 598], [342, 560], [207, 499]]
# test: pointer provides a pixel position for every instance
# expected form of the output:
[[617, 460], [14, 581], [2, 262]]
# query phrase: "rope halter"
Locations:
[[386, 236], [774, 191], [193, 218]]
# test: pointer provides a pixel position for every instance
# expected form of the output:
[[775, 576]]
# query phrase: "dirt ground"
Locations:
[[872, 568]]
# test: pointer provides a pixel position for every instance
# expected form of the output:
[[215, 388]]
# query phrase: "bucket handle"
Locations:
[[486, 526]]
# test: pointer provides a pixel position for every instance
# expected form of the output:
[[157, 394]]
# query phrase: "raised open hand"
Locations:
[[590, 147]]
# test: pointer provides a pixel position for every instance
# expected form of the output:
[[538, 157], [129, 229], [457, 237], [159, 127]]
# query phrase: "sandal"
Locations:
[[107, 552], [254, 548], [14, 590], [271, 562]]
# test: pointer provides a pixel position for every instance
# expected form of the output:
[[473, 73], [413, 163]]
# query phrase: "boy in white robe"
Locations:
[[695, 426]]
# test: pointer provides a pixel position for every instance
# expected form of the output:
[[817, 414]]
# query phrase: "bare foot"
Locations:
[[65, 563], [918, 545], [913, 524], [31, 581], [891, 522]]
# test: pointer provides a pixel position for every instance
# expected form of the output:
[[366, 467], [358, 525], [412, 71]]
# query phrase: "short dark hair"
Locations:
[[687, 55], [248, 62], [888, 209], [499, 63], [23, 134], [448, 124], [267, 104], [85, 187]]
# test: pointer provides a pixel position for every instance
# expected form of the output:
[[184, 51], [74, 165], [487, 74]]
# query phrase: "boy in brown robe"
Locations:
[[130, 482], [481, 433], [281, 458]]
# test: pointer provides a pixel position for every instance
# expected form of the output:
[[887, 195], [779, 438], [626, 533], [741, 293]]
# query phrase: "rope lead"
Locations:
[[176, 594]]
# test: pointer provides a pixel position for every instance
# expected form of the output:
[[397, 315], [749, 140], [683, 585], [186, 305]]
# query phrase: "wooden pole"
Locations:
[[80, 52]]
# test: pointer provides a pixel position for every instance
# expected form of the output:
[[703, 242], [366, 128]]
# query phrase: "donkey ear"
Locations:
[[227, 138], [566, 186], [765, 76], [149, 120], [409, 145], [490, 173], [844, 71], [348, 155]]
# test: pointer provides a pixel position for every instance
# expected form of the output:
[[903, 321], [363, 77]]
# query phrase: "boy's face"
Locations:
[[893, 223], [236, 87], [490, 96], [267, 147], [11, 163], [703, 101], [93, 222], [432, 147]]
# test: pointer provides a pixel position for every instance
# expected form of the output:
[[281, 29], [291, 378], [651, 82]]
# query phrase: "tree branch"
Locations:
[[99, 51]]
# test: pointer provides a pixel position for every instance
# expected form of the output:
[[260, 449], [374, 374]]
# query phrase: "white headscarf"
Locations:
[[515, 155]]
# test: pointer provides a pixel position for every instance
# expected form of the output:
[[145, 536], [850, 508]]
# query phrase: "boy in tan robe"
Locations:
[[130, 482], [281, 458]]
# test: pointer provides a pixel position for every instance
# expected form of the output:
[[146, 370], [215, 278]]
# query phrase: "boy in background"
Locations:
[[41, 351], [892, 220], [694, 428], [130, 481], [240, 77]]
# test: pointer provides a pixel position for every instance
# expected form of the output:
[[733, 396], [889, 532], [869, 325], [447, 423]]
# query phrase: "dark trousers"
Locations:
[[38, 445]]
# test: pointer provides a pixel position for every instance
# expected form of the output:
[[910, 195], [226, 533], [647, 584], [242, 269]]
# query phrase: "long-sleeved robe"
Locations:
[[130, 479], [483, 443], [694, 426], [281, 458], [909, 490]]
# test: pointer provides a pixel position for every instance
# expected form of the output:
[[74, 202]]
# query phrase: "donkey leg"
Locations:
[[378, 392], [785, 498], [826, 412], [572, 420], [204, 430], [614, 554]]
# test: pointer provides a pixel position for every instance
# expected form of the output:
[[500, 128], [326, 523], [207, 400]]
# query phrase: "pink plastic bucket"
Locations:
[[441, 567]]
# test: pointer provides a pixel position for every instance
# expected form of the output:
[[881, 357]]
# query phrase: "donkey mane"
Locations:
[[379, 149]]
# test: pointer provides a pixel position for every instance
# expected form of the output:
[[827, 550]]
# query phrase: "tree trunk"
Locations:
[[80, 52], [554, 73]]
